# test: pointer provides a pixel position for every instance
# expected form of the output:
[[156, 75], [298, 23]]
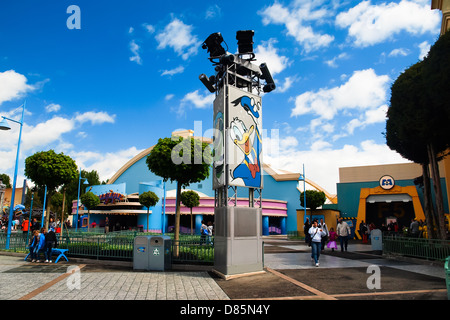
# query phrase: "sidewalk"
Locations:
[[289, 275]]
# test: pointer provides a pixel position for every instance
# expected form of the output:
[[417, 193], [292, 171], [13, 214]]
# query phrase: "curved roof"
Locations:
[[278, 176]]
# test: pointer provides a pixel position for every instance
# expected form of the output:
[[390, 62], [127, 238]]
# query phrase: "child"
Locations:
[[332, 240], [33, 244]]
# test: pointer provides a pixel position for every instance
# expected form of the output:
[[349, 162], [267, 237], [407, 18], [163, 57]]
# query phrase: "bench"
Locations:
[[60, 252]]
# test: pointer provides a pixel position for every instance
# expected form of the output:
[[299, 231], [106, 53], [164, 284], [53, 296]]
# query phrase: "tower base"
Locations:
[[238, 247]]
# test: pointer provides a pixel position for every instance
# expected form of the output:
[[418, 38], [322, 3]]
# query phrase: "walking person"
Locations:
[[316, 241], [306, 227], [203, 232], [210, 232], [343, 231], [25, 226], [324, 227], [363, 231], [332, 240], [50, 243]]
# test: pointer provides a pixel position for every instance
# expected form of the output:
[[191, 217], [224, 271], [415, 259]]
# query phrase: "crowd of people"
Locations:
[[416, 229], [317, 235]]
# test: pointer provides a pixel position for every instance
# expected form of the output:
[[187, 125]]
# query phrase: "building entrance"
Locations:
[[122, 222], [378, 212]]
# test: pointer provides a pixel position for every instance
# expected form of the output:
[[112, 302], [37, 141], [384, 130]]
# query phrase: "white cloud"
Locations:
[[213, 12], [179, 69], [424, 48], [46, 132], [283, 87], [363, 90], [371, 24], [106, 164], [399, 52], [267, 53], [333, 62], [149, 28], [95, 117], [53, 107], [297, 20], [198, 100], [322, 161], [134, 47], [178, 36], [13, 85]]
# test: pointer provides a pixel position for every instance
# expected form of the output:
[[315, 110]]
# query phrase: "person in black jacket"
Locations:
[[50, 243]]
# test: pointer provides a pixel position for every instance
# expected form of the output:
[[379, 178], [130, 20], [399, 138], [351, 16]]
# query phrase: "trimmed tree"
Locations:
[[190, 199], [148, 199], [90, 201], [46, 168], [183, 161], [417, 125], [314, 200]]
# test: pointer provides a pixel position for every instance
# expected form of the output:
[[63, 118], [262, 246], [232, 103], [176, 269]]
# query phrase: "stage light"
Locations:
[[208, 82], [213, 44], [270, 84], [227, 59], [245, 41]]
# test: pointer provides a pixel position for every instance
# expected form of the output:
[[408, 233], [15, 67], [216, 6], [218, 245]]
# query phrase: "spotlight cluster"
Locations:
[[235, 69]]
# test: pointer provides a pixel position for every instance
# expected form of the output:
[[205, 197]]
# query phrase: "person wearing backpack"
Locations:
[[203, 232]]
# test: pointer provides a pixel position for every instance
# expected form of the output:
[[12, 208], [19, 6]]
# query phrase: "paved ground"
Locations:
[[289, 275]]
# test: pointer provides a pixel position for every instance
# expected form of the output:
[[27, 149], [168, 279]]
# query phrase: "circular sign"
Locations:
[[387, 182]]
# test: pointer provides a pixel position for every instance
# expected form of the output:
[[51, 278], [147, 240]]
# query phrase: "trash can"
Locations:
[[447, 276], [376, 239], [141, 252], [160, 253]]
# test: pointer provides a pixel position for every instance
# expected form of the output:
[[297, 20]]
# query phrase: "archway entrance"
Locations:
[[377, 204]]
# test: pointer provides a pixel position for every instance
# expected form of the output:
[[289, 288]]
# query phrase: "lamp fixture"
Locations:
[[4, 125], [245, 42], [214, 45]]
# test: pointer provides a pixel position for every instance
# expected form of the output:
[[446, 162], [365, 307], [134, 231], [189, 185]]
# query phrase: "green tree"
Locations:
[[6, 180], [90, 201], [314, 199], [184, 161], [72, 187], [417, 124], [436, 73], [190, 199], [148, 199], [47, 168], [406, 132]]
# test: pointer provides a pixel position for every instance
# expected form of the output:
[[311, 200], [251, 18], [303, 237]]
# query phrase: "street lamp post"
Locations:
[[4, 126], [303, 178], [78, 198]]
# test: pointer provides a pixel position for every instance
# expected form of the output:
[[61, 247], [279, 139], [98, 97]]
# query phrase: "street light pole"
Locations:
[[13, 194], [78, 198], [78, 201], [303, 178]]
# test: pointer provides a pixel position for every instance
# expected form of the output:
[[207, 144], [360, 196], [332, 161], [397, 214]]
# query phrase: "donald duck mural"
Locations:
[[246, 142]]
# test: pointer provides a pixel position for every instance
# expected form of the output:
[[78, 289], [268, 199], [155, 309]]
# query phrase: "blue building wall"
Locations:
[[156, 218]]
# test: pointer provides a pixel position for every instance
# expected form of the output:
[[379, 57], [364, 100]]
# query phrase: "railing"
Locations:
[[433, 249], [190, 249]]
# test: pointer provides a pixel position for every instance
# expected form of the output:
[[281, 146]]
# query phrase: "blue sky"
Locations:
[[129, 75]]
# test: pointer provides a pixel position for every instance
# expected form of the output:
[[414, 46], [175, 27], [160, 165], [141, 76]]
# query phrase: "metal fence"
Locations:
[[432, 249], [190, 249]]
